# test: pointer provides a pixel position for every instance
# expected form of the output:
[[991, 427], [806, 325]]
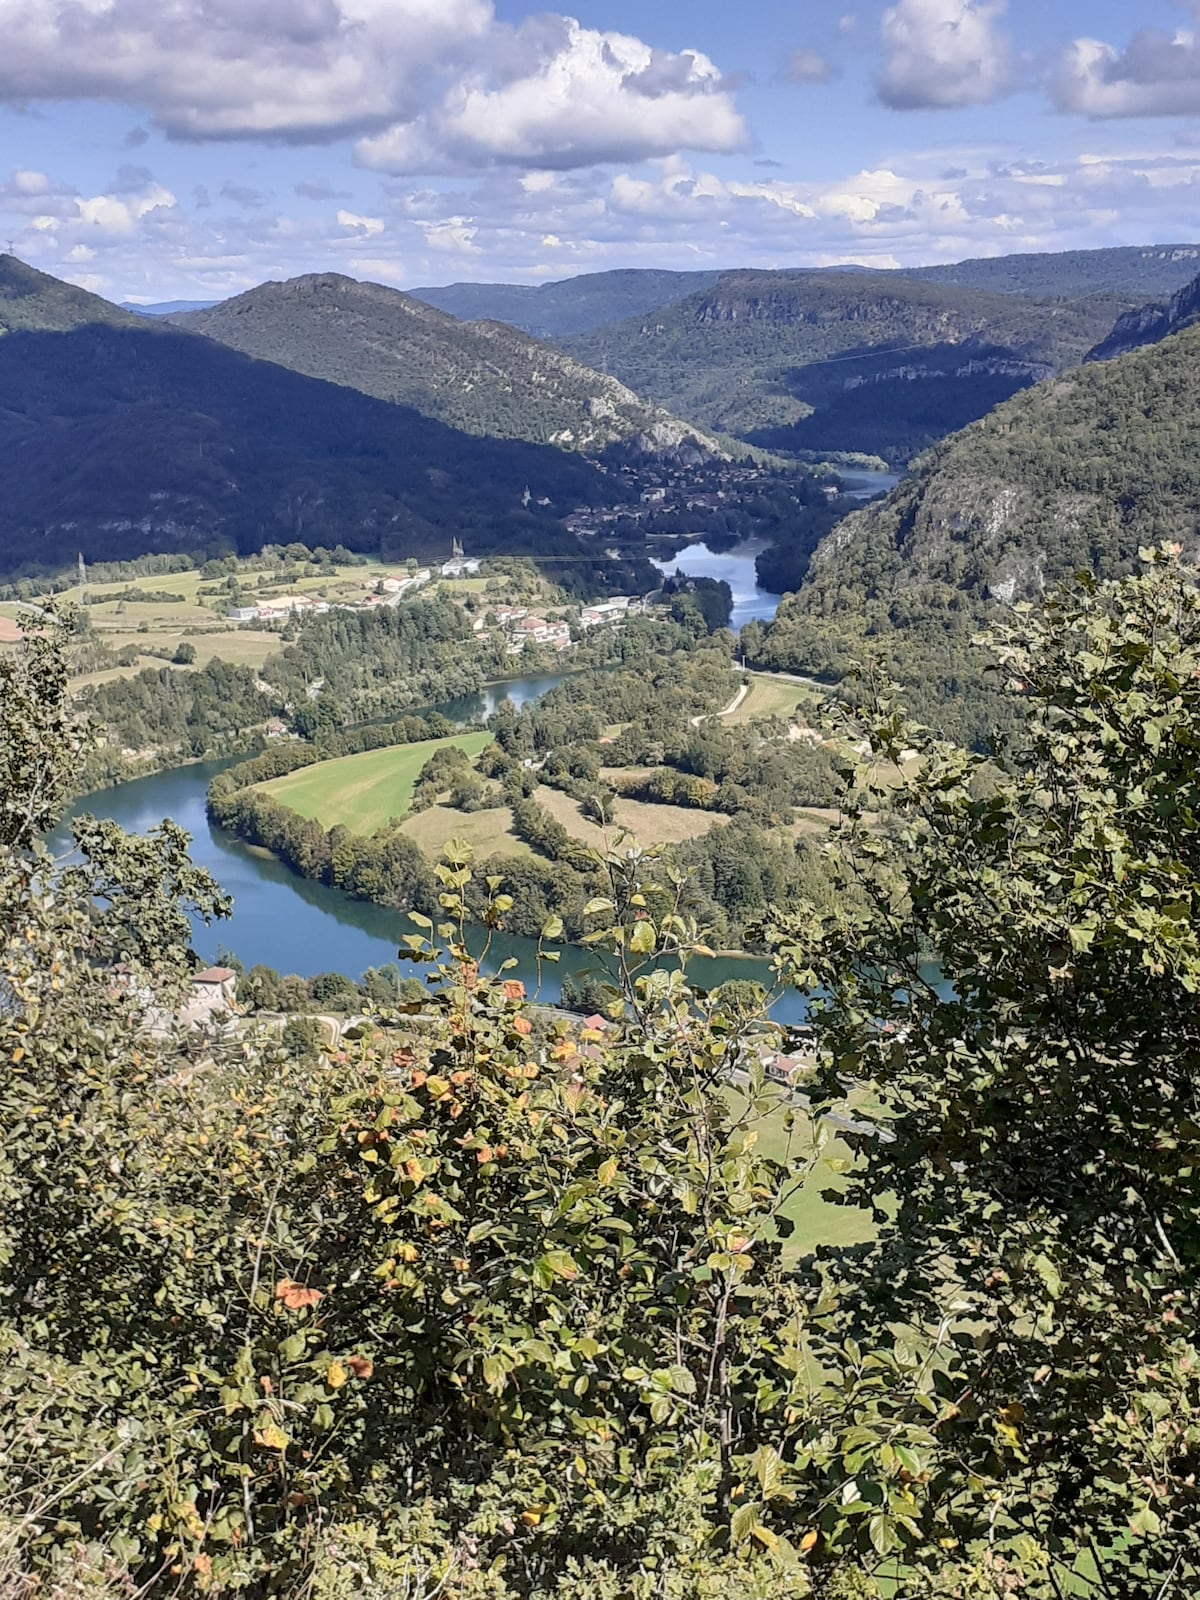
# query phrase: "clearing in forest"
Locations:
[[363, 792]]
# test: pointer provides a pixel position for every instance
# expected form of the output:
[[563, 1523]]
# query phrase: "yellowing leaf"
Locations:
[[271, 1437], [608, 1170], [809, 1541], [335, 1377]]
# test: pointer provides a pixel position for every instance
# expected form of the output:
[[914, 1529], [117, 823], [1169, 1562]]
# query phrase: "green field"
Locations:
[[363, 792], [818, 1221], [771, 696]]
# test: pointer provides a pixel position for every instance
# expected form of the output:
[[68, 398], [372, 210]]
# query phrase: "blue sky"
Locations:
[[191, 151]]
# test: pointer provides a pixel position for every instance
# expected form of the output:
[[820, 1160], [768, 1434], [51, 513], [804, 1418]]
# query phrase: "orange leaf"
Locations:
[[361, 1366], [809, 1542], [295, 1296], [514, 989], [523, 1026]]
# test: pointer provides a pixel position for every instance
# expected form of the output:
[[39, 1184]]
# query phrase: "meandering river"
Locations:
[[287, 922]]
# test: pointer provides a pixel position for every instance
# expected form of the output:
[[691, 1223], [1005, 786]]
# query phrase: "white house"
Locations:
[[615, 610], [460, 567]]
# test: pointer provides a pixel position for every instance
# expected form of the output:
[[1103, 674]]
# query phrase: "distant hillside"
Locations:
[[1134, 272], [118, 440], [33, 302], [481, 377], [574, 305], [1076, 474], [167, 308], [597, 299], [1149, 324], [852, 361]]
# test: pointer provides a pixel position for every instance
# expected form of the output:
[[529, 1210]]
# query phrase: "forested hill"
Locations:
[[1138, 272], [596, 299], [484, 378], [122, 440], [1076, 474], [33, 302], [1149, 324], [854, 361], [574, 305]]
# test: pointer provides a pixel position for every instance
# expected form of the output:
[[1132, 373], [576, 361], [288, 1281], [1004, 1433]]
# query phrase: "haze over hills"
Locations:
[[1149, 324], [484, 378], [573, 305], [1076, 474], [759, 353], [121, 437], [167, 308]]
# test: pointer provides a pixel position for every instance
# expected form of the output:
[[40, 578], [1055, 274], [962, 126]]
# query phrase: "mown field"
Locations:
[[363, 792], [647, 823], [771, 696], [488, 832]]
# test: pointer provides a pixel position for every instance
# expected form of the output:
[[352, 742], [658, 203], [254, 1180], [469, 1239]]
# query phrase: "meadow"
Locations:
[[772, 696], [365, 791]]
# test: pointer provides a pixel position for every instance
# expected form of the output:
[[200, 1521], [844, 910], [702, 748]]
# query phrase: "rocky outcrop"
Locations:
[[1149, 324]]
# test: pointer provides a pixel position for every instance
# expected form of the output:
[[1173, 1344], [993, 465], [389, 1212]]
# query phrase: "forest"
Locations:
[[1077, 475], [494, 1304]]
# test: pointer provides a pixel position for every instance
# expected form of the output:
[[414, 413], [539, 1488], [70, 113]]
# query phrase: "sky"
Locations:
[[189, 149]]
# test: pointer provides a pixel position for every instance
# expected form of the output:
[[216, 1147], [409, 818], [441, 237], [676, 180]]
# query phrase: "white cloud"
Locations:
[[120, 214], [944, 53], [563, 96], [942, 204], [1156, 75], [367, 226], [429, 85], [808, 67], [297, 69]]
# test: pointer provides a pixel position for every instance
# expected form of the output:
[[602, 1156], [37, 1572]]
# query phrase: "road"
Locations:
[[729, 709]]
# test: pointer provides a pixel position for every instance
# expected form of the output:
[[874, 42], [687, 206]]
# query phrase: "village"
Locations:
[[517, 623]]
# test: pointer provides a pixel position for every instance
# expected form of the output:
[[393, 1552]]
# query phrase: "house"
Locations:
[[243, 614], [506, 616], [556, 634], [213, 996], [399, 586], [286, 605], [787, 1070], [459, 567], [614, 610]]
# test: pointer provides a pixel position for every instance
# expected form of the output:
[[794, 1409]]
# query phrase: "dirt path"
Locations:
[[729, 709]]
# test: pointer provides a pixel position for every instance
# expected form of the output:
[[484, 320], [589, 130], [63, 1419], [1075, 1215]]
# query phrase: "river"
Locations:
[[284, 921], [736, 567]]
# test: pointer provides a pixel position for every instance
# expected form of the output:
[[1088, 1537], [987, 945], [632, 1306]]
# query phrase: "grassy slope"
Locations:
[[362, 792]]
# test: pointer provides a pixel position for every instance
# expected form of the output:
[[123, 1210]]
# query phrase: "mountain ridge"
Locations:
[[760, 353], [122, 435], [1151, 323], [592, 300], [1076, 474], [484, 378]]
